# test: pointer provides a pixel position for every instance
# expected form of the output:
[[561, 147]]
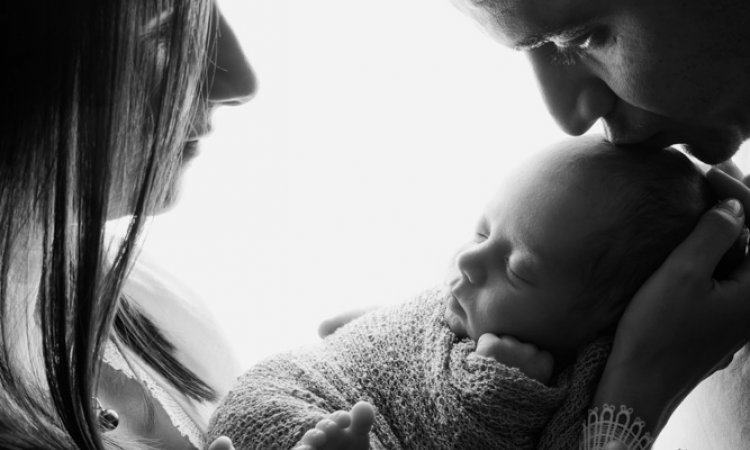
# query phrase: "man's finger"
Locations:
[[715, 233], [730, 168], [724, 186]]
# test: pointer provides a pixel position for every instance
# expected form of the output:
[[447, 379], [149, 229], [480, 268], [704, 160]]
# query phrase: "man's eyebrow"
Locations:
[[562, 33], [532, 42]]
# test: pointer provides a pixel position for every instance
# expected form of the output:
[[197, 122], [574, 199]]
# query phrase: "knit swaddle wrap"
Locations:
[[430, 389]]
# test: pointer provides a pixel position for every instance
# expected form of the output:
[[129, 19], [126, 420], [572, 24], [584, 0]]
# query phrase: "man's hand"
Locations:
[[530, 360], [683, 323]]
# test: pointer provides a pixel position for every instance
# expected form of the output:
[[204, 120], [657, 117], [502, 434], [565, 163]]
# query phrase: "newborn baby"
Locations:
[[508, 353]]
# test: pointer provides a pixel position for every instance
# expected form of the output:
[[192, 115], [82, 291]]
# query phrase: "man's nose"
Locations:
[[575, 96], [231, 79], [471, 264]]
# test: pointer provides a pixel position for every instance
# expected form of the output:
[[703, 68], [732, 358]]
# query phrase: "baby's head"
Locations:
[[569, 239]]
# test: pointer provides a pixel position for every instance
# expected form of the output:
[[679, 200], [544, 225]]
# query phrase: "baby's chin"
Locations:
[[453, 320]]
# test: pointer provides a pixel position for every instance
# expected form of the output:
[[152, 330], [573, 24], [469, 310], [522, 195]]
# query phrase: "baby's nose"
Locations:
[[470, 264]]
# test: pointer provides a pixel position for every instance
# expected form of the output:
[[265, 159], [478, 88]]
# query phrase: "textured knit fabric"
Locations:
[[430, 389]]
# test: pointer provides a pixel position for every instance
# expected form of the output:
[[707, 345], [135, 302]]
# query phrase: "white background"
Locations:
[[378, 132]]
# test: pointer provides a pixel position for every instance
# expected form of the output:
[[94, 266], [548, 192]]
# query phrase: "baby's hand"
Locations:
[[341, 430], [530, 360]]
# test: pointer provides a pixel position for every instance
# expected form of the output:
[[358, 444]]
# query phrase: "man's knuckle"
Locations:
[[684, 274]]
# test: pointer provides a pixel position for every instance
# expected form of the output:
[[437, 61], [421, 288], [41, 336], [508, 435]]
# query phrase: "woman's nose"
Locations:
[[232, 81], [575, 96], [471, 264]]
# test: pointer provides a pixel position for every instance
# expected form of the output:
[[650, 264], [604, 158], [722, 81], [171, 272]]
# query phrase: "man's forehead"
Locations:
[[521, 23]]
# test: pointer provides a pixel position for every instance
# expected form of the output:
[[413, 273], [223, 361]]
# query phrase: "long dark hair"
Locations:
[[98, 97]]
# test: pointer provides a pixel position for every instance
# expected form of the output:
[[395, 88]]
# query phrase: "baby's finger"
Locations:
[[540, 366], [314, 437], [363, 416], [491, 346], [505, 349]]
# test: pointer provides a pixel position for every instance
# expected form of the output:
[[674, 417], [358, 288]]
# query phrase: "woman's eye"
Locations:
[[481, 237]]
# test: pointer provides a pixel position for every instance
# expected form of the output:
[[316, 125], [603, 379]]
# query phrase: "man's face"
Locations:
[[662, 72]]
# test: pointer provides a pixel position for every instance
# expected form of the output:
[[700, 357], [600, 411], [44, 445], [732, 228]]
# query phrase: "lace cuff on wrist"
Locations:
[[605, 425]]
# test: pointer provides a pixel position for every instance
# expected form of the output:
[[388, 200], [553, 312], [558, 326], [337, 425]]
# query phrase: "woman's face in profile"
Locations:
[[230, 81], [663, 72]]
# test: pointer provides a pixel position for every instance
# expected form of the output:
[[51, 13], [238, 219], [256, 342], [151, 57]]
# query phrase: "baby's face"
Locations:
[[525, 270]]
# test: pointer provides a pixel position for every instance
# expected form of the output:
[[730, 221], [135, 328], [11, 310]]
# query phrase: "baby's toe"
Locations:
[[363, 416], [314, 438], [342, 418], [332, 430]]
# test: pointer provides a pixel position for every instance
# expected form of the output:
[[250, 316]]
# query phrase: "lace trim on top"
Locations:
[[180, 419], [605, 426]]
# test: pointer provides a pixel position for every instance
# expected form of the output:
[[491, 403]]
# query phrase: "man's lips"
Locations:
[[658, 139]]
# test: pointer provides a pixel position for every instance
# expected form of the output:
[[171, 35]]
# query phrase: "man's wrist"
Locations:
[[652, 393]]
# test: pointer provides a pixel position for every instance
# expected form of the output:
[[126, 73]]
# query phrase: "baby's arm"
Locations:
[[341, 430], [529, 359]]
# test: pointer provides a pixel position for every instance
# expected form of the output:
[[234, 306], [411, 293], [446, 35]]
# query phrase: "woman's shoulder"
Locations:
[[185, 320]]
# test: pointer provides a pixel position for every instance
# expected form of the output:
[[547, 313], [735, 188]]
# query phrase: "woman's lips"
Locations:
[[190, 150]]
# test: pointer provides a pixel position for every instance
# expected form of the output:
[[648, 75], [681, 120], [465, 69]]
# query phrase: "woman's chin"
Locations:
[[119, 208]]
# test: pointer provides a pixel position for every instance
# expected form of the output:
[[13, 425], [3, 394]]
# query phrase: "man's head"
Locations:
[[569, 239], [657, 72]]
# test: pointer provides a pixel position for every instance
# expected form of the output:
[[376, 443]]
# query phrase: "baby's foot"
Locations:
[[532, 361], [341, 430]]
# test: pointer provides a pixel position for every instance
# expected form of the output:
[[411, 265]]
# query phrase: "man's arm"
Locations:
[[682, 324]]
